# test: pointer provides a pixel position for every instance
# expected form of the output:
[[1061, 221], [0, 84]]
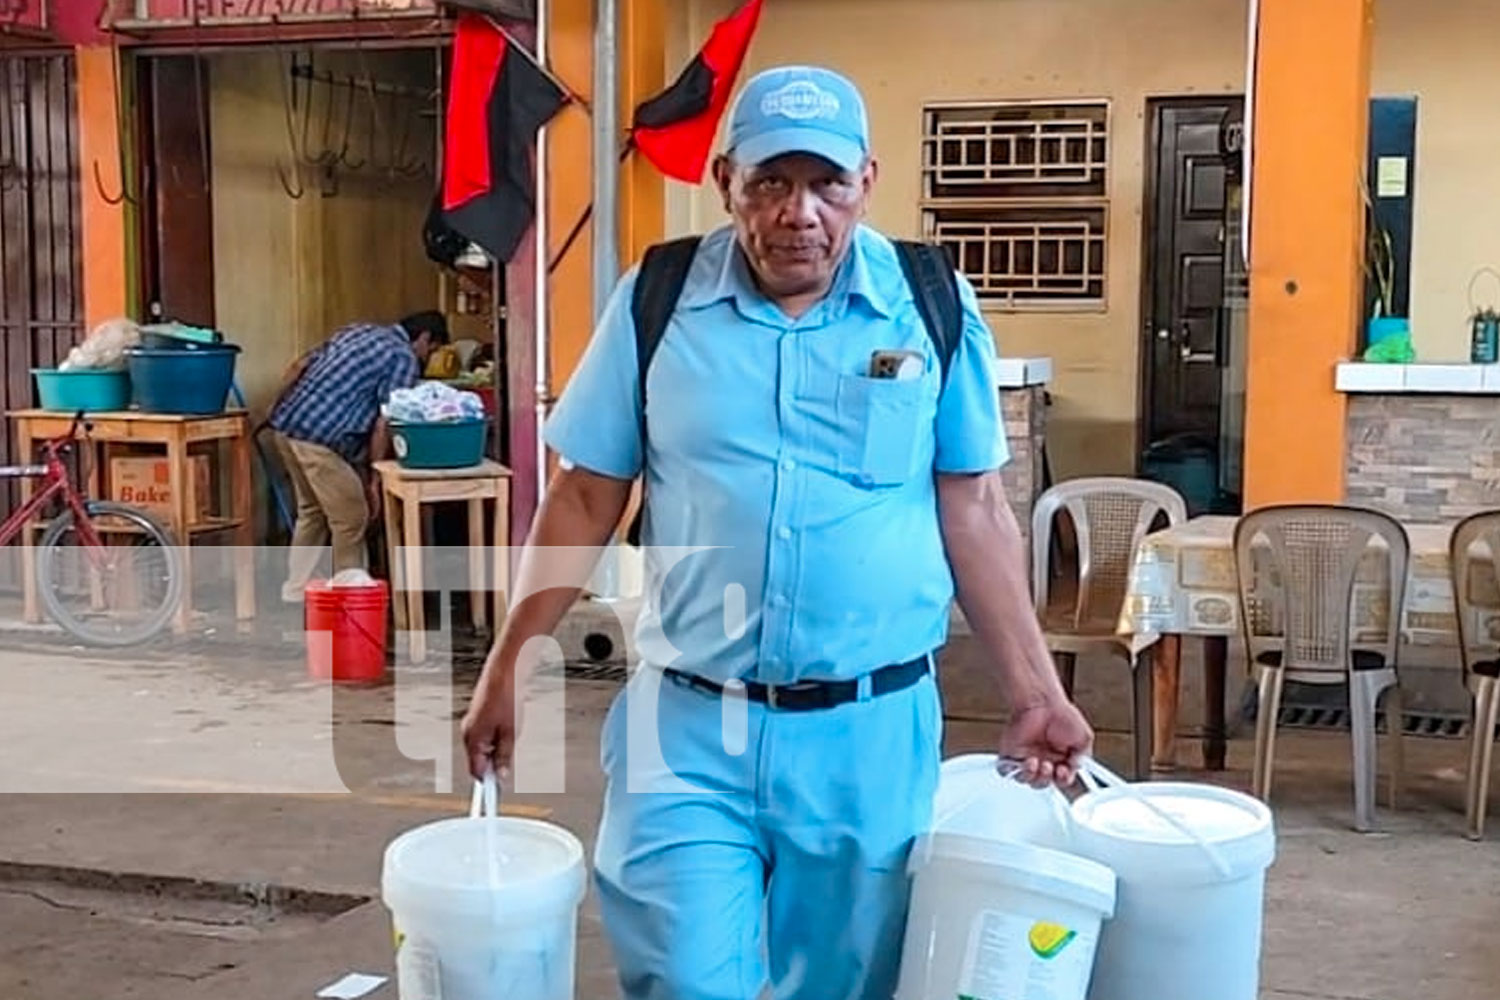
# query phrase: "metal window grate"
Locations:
[[1020, 260], [1018, 194], [1010, 151]]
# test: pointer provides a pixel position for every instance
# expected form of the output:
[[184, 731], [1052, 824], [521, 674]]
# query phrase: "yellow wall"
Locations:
[[1128, 50], [288, 272], [1443, 54], [905, 54]]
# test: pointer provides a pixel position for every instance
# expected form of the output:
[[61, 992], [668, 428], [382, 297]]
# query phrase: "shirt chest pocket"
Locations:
[[884, 428]]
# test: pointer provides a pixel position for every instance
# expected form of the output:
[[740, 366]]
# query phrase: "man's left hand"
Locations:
[[1047, 738]]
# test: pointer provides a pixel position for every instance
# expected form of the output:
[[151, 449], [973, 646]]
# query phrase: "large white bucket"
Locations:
[[997, 920], [975, 800], [485, 907], [1188, 921]]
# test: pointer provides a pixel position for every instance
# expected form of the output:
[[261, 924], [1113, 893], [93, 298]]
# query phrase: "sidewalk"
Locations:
[[1397, 915]]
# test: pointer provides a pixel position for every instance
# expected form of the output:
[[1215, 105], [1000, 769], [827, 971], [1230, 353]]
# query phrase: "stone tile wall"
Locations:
[[1025, 413], [1426, 459]]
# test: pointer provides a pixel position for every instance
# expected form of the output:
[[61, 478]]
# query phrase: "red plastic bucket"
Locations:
[[346, 631]]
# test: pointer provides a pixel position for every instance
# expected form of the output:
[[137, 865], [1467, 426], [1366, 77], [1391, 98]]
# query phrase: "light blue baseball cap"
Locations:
[[799, 109]]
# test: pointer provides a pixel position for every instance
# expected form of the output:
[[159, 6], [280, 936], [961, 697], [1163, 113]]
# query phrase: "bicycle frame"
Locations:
[[54, 476]]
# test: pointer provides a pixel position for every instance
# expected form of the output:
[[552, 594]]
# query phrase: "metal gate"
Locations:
[[41, 280]]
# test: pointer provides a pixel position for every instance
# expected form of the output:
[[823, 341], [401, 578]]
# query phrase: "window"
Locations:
[[1018, 193]]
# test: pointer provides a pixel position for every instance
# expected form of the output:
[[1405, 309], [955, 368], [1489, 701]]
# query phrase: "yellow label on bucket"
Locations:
[[1011, 956], [1048, 940]]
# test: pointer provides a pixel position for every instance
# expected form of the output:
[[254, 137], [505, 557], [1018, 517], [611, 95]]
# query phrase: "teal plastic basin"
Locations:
[[90, 391], [182, 381], [446, 444]]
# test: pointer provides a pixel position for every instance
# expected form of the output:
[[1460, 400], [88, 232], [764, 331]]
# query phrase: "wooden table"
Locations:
[[1184, 584], [173, 434], [405, 491]]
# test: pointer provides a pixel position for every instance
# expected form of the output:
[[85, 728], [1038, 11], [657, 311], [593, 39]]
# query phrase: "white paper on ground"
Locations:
[[352, 987]]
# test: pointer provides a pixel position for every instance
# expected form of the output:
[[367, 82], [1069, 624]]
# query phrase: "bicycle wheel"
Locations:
[[120, 595]]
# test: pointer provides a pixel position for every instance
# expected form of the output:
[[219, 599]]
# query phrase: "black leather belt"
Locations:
[[810, 696]]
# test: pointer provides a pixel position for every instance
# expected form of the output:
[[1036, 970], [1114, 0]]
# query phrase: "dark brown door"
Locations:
[[177, 237], [1185, 235], [41, 282]]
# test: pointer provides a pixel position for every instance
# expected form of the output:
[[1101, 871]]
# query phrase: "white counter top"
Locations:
[[1439, 379], [1018, 373]]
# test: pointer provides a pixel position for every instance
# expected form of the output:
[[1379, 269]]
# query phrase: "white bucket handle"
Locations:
[[485, 804], [1090, 771], [486, 800]]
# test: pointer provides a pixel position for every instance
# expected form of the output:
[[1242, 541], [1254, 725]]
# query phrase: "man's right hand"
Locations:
[[374, 497], [578, 515], [490, 726]]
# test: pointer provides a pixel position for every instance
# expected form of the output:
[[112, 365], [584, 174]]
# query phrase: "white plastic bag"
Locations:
[[104, 348]]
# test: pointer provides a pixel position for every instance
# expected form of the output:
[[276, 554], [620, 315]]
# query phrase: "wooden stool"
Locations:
[[404, 492]]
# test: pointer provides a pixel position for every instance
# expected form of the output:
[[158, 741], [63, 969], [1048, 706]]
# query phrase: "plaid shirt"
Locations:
[[338, 398]]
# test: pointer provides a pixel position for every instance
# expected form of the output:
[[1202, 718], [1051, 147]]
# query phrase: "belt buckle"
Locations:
[[773, 692]]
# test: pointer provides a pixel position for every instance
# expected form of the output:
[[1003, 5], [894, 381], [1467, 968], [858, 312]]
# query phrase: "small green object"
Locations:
[[441, 444], [90, 390], [1396, 350], [163, 335]]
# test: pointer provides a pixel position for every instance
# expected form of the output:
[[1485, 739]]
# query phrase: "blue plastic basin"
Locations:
[[195, 382]]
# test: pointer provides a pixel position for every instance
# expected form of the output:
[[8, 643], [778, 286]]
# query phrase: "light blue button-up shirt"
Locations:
[[807, 485]]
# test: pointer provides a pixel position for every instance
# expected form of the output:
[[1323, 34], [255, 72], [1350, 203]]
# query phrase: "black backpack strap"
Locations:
[[934, 283], [658, 285]]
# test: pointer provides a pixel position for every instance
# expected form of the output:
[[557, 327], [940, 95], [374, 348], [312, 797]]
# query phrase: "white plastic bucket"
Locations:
[[994, 919], [485, 907], [975, 800], [1184, 928]]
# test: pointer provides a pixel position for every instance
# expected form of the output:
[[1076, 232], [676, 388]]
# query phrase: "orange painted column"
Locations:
[[569, 188], [569, 164], [643, 192], [106, 227], [1311, 122]]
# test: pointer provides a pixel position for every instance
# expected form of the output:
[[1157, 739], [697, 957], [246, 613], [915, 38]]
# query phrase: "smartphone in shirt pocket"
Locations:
[[902, 366], [881, 416]]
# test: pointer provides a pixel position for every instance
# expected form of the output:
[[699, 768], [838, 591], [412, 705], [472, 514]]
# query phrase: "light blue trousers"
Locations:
[[775, 866]]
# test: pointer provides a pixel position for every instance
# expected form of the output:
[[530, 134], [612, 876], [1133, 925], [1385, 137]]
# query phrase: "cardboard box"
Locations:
[[145, 483]]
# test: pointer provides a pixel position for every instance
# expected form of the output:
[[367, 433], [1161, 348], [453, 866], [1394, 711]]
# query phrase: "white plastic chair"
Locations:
[[1297, 566], [1480, 652], [1110, 517]]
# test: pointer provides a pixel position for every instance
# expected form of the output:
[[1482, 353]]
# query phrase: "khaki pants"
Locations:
[[331, 506]]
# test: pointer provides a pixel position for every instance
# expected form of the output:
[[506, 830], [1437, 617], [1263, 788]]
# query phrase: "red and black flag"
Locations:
[[675, 129], [497, 100]]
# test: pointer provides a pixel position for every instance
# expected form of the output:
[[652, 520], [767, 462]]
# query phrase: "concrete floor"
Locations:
[[149, 796]]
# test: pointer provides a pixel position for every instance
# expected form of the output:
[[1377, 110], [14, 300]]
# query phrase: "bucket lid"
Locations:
[[1228, 819], [1027, 866], [478, 866]]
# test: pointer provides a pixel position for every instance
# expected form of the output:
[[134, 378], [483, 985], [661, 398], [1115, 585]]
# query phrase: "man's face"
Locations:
[[795, 216], [422, 347]]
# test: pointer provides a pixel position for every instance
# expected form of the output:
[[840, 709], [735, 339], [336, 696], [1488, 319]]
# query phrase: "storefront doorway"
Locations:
[[284, 195]]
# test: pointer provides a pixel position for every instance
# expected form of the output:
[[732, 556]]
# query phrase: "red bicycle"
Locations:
[[108, 573]]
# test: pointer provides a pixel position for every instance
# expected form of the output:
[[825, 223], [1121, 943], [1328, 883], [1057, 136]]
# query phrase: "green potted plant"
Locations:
[[1380, 270]]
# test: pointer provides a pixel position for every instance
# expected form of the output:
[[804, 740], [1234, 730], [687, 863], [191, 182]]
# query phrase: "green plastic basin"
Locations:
[[446, 444], [90, 391]]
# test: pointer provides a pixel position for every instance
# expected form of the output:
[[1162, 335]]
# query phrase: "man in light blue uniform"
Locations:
[[772, 761]]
